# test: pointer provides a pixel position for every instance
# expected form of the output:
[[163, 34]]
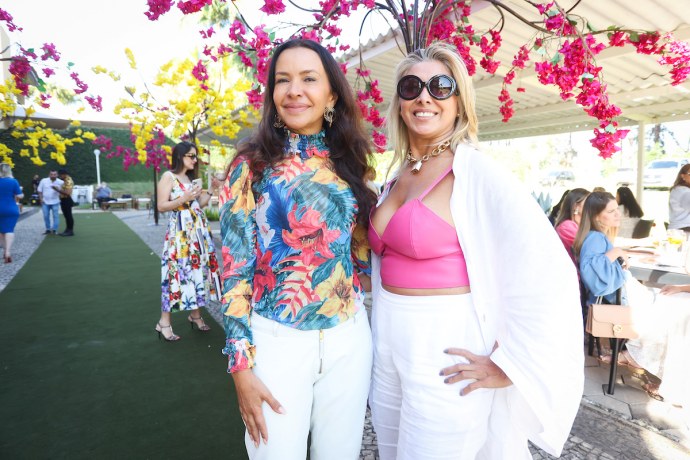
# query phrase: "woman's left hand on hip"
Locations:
[[484, 372]]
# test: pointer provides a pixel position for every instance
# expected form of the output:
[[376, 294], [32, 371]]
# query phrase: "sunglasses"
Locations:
[[193, 156], [440, 87]]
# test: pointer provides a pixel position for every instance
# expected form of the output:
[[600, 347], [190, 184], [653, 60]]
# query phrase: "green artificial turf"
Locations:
[[82, 372]]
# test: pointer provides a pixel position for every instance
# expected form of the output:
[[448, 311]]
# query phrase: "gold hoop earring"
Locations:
[[278, 123], [328, 114]]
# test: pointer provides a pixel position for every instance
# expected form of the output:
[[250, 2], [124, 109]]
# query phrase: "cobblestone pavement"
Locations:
[[596, 434], [28, 236]]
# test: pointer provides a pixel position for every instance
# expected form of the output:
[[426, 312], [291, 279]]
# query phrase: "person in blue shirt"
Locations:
[[10, 192], [659, 353], [599, 261], [104, 195]]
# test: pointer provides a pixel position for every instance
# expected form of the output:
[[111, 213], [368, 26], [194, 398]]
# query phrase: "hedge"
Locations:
[[81, 162]]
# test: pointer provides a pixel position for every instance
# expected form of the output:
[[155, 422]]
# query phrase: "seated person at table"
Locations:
[[631, 212], [568, 219], [679, 201], [663, 344], [103, 195]]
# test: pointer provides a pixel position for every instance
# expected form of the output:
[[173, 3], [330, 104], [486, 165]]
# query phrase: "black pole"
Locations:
[[155, 196]]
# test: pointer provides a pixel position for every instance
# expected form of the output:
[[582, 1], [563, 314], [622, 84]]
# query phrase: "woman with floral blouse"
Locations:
[[293, 221]]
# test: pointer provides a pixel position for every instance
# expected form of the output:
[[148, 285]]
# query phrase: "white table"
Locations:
[[657, 270]]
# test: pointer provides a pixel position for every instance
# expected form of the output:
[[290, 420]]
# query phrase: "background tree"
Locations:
[[32, 86], [186, 99], [563, 47]]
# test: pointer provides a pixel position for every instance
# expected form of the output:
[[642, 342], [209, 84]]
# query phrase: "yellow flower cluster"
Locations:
[[130, 59], [102, 70], [36, 137], [181, 107]]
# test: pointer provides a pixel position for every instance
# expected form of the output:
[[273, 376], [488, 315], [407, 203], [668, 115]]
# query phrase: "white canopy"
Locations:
[[637, 83]]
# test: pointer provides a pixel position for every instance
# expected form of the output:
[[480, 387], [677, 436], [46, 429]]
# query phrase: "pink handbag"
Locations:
[[612, 321]]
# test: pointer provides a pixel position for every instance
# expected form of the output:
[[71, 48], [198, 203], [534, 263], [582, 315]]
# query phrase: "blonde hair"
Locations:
[[5, 170], [466, 125]]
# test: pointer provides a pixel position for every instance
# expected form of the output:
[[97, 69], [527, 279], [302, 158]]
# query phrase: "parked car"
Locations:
[[660, 174], [561, 177], [625, 177]]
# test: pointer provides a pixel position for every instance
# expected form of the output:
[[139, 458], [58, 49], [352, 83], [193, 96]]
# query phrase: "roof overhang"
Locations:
[[636, 83]]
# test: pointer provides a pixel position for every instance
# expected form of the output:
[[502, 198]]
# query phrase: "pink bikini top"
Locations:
[[419, 249]]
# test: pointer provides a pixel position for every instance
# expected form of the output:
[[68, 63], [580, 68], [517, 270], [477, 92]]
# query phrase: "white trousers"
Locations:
[[322, 383], [415, 414]]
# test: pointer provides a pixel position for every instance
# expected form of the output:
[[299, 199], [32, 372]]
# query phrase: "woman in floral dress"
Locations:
[[189, 266]]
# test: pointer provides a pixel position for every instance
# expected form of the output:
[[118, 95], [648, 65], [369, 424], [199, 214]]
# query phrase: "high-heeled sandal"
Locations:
[[650, 385], [624, 361], [8, 259], [192, 321], [173, 337]]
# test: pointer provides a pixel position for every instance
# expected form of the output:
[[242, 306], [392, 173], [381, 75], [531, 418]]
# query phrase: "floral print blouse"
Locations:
[[291, 246]]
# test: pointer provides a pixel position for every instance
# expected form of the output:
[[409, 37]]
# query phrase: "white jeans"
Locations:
[[321, 383], [415, 414]]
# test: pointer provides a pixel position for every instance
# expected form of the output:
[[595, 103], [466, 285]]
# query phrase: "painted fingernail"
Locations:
[[446, 380], [446, 350], [440, 373]]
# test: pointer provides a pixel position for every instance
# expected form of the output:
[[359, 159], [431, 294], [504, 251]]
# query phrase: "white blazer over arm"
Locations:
[[525, 290]]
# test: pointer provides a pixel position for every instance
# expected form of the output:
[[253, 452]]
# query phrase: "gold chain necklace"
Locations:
[[418, 161]]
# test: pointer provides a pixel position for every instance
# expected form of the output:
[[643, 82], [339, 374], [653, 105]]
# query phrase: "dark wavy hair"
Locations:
[[679, 182], [178, 153], [574, 196], [349, 145], [625, 197]]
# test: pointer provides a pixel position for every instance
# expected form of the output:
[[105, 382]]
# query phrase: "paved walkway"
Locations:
[[627, 425]]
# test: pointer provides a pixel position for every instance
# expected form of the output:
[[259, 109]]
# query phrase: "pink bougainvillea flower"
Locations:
[[7, 19], [273, 7], [380, 141], [20, 68], [95, 102], [44, 100], [81, 86], [158, 8], [50, 52], [192, 6], [200, 72]]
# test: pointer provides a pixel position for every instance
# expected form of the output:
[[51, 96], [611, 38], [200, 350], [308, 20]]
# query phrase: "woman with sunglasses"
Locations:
[[476, 317], [294, 211], [190, 275]]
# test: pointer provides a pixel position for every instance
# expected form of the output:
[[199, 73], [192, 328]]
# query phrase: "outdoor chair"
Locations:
[[616, 347], [643, 228]]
